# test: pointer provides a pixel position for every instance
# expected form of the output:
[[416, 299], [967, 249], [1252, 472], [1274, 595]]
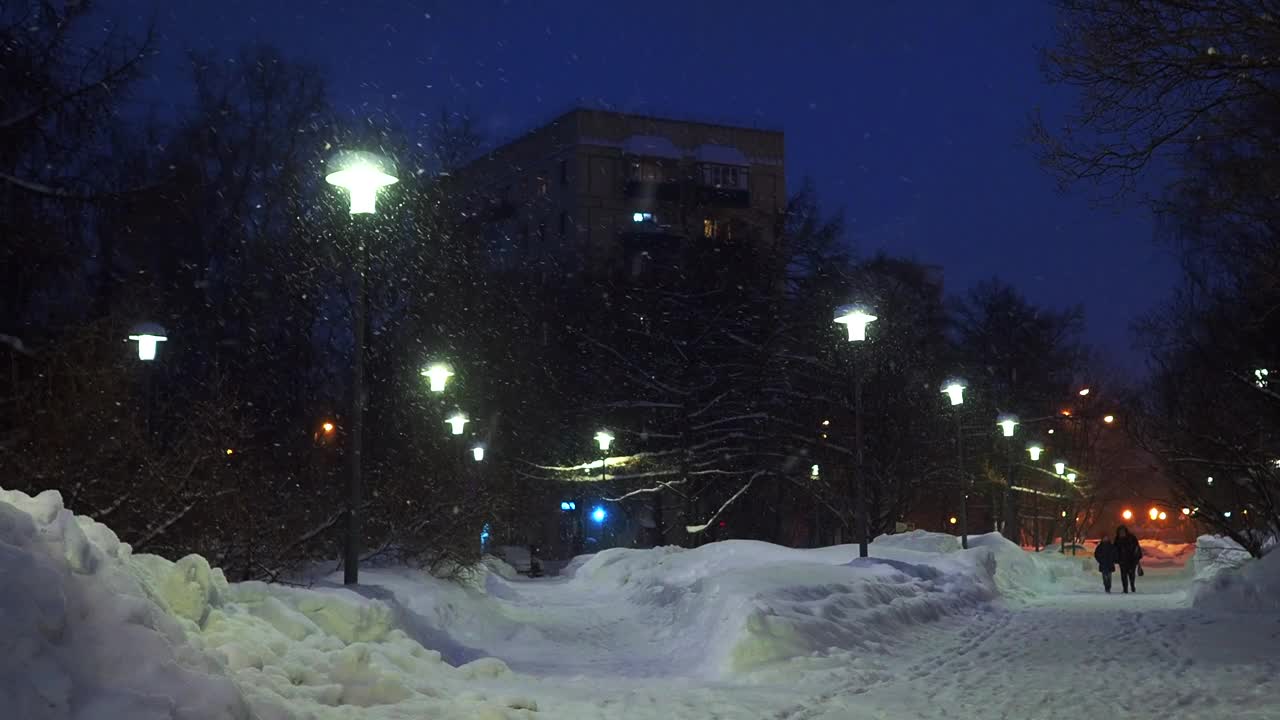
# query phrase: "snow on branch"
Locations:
[[662, 485], [695, 529]]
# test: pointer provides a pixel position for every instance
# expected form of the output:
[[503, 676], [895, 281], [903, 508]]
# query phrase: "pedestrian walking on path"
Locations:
[[1106, 556], [1128, 555]]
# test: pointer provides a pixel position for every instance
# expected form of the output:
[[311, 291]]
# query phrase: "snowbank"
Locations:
[[1252, 587], [733, 606], [1215, 554], [90, 631], [1160, 554], [82, 636]]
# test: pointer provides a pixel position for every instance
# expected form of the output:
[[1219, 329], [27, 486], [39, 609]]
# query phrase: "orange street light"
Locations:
[[1164, 515], [1153, 513], [953, 520], [1108, 419], [328, 428], [231, 451], [1127, 514]]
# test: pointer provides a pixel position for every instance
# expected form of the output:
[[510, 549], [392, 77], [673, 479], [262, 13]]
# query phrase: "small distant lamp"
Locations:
[[457, 422], [856, 319], [148, 336], [1035, 451], [954, 390], [1007, 424]]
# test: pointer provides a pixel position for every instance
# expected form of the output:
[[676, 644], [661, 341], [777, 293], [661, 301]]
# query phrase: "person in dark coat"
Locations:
[[1128, 554], [1105, 554]]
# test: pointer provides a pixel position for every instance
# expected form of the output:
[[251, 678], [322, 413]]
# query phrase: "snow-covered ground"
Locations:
[[736, 629]]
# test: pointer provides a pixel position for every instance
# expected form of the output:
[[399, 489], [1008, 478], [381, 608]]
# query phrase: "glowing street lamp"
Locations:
[[362, 175], [599, 514], [954, 390], [856, 319], [1127, 514], [1186, 511], [437, 376], [457, 422], [1007, 424], [327, 428], [1153, 513], [1164, 515], [148, 336], [1084, 392], [1060, 467], [813, 471], [477, 453], [1108, 419], [1035, 451], [1071, 477], [604, 439]]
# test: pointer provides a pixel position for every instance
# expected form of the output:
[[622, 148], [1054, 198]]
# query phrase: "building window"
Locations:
[[646, 171], [642, 217], [725, 176], [541, 185], [564, 173], [708, 228]]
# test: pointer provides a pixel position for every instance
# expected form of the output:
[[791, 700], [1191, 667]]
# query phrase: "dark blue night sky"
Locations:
[[911, 117]]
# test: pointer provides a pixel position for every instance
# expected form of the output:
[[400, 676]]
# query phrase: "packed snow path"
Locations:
[[1084, 654], [1078, 653]]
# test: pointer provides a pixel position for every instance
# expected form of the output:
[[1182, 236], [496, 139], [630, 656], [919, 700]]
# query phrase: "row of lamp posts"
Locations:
[[856, 319]]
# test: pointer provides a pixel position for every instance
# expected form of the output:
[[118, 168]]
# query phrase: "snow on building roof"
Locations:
[[651, 146], [721, 154]]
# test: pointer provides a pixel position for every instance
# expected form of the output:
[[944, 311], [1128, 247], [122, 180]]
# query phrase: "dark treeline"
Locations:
[[1186, 94], [722, 376]]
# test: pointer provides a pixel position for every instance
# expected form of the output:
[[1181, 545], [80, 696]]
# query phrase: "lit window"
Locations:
[[641, 217], [708, 228]]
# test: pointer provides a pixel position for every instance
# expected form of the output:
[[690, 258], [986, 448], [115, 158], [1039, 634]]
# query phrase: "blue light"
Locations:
[[599, 514], [566, 505]]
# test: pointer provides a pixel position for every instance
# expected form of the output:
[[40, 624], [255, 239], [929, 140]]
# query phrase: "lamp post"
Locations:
[[1008, 424], [856, 319], [361, 174], [954, 390], [148, 335]]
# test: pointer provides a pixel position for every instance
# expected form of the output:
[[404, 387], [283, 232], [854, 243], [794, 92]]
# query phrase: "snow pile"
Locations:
[[734, 606], [1159, 554], [90, 630], [82, 636], [919, 541], [1215, 554], [1252, 587]]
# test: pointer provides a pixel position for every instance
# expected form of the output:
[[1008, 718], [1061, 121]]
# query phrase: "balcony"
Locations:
[[652, 190], [724, 196]]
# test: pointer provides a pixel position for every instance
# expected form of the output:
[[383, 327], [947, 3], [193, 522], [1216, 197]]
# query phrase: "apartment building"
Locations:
[[595, 191]]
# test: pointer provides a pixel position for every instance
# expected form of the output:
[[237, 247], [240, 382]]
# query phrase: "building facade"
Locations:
[[595, 191]]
